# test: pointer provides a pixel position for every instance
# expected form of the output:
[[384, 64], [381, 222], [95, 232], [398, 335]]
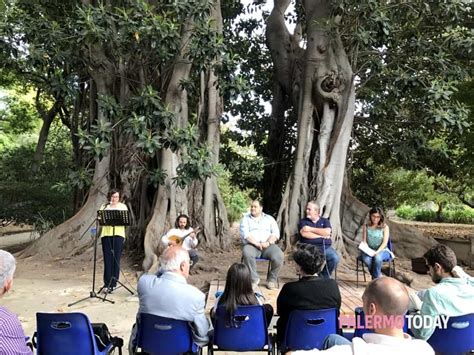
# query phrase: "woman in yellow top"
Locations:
[[112, 238]]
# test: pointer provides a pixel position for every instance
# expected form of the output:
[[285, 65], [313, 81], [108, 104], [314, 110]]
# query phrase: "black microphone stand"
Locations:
[[93, 294]]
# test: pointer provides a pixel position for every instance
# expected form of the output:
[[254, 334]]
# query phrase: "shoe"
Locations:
[[271, 285]]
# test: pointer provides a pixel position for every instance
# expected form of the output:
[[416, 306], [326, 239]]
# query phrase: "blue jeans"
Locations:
[[374, 264], [332, 259], [334, 339]]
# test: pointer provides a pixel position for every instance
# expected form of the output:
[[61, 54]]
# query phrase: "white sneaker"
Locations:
[[271, 285]]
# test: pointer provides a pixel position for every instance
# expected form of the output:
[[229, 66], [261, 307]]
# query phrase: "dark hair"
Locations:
[[111, 192], [442, 255], [378, 210], [188, 223], [238, 290], [309, 258]]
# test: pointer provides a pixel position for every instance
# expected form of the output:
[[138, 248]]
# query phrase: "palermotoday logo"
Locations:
[[413, 321]]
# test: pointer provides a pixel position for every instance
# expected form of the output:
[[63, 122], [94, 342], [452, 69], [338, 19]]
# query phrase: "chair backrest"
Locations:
[[248, 333], [64, 333], [160, 335], [457, 337], [307, 329]]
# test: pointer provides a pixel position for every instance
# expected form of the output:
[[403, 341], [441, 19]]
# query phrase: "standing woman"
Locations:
[[376, 234], [112, 243]]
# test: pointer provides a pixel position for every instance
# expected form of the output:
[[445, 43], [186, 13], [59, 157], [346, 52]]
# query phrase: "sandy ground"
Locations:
[[49, 286]]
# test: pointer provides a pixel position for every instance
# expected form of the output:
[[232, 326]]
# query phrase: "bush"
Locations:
[[452, 214]]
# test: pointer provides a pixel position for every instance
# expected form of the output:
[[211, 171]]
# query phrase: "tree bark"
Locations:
[[48, 118], [170, 199]]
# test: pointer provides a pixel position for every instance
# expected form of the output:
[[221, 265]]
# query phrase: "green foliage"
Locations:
[[19, 116], [452, 214], [30, 198], [235, 200]]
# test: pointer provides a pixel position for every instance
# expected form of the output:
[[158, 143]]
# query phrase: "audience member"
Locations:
[[311, 291], [12, 336], [375, 234], [238, 292], [259, 233], [452, 296], [316, 230], [183, 234], [384, 298], [170, 296]]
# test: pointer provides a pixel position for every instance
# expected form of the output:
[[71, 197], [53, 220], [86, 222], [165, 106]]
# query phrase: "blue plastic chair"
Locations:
[[389, 260], [457, 338], [164, 336], [307, 329], [66, 334], [248, 332]]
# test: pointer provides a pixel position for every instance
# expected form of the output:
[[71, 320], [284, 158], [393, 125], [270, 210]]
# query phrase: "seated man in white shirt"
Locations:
[[183, 234], [259, 233], [385, 303]]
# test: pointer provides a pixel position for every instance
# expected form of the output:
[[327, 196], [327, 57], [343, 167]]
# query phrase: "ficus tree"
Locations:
[[145, 103]]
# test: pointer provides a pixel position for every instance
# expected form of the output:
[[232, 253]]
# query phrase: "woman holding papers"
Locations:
[[374, 242]]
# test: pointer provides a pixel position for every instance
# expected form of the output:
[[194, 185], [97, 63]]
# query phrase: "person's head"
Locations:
[[440, 260], [182, 222], [113, 196], [175, 259], [312, 210], [7, 269], [238, 290], [309, 259], [256, 208], [238, 280], [386, 296], [376, 217]]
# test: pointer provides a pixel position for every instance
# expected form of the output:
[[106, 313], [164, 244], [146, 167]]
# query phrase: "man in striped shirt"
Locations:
[[12, 336]]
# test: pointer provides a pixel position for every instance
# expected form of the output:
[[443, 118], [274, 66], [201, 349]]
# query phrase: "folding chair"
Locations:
[[66, 334], [248, 331], [457, 338], [164, 336], [307, 329], [390, 261]]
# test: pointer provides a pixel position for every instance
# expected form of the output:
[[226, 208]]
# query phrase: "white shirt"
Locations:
[[377, 344], [188, 244]]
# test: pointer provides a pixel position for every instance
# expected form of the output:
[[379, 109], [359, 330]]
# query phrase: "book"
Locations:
[[364, 247]]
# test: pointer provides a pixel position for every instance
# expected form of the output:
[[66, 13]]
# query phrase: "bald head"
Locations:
[[389, 296], [175, 259]]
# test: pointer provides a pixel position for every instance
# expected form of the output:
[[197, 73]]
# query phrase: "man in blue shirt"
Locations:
[[316, 230], [259, 233]]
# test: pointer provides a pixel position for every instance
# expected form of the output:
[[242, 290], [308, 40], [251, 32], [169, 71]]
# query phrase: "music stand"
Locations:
[[113, 218], [93, 294]]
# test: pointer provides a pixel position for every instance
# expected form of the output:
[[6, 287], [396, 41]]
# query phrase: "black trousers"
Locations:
[[112, 249]]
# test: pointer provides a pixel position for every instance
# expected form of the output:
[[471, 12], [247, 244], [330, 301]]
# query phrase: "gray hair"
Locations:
[[7, 267], [172, 258]]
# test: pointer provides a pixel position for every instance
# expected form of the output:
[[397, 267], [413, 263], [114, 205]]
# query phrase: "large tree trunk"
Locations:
[[170, 200], [210, 210], [326, 98]]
